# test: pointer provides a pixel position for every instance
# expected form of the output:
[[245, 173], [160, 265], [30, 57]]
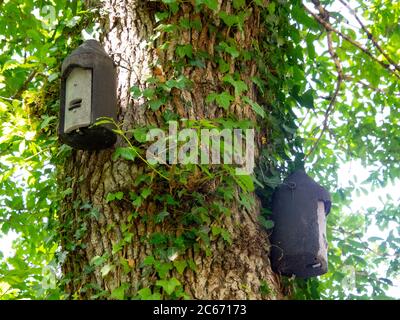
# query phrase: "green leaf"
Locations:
[[106, 269], [245, 182], [310, 46], [184, 51], [97, 260], [307, 99], [137, 202], [180, 265], [145, 193], [212, 4], [184, 23], [114, 196], [228, 19], [110, 197], [46, 120], [226, 236], [211, 97], [267, 224], [136, 92], [149, 261], [239, 85], [238, 4], [160, 217], [215, 231], [169, 286], [224, 100], [126, 153], [140, 134], [156, 104], [148, 93], [161, 16], [163, 268], [261, 3], [180, 83], [271, 7], [223, 66], [255, 106], [119, 293], [146, 294], [231, 49]]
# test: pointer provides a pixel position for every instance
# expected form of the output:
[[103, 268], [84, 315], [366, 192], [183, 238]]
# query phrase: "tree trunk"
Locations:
[[95, 265]]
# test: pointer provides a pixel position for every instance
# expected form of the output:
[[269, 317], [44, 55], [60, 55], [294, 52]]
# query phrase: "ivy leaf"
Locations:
[[239, 85], [162, 268], [156, 104], [119, 293], [267, 224], [148, 261], [184, 51], [307, 99], [223, 66], [215, 231], [231, 49], [126, 153], [238, 4], [136, 92], [119, 195], [137, 202], [255, 106], [180, 265], [148, 93], [140, 134], [224, 100], [114, 196], [226, 236], [211, 97], [106, 269], [146, 294], [145, 193], [212, 4], [97, 260], [245, 182], [180, 83], [169, 285], [161, 16], [228, 19], [160, 217]]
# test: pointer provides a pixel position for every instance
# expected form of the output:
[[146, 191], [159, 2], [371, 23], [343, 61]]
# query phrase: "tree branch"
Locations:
[[333, 99], [24, 86], [369, 86], [329, 27], [371, 37]]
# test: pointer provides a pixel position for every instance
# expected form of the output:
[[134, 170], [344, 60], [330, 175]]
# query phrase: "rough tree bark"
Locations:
[[231, 272]]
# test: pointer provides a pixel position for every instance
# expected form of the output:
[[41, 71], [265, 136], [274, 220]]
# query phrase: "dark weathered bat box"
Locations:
[[88, 92], [299, 245]]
